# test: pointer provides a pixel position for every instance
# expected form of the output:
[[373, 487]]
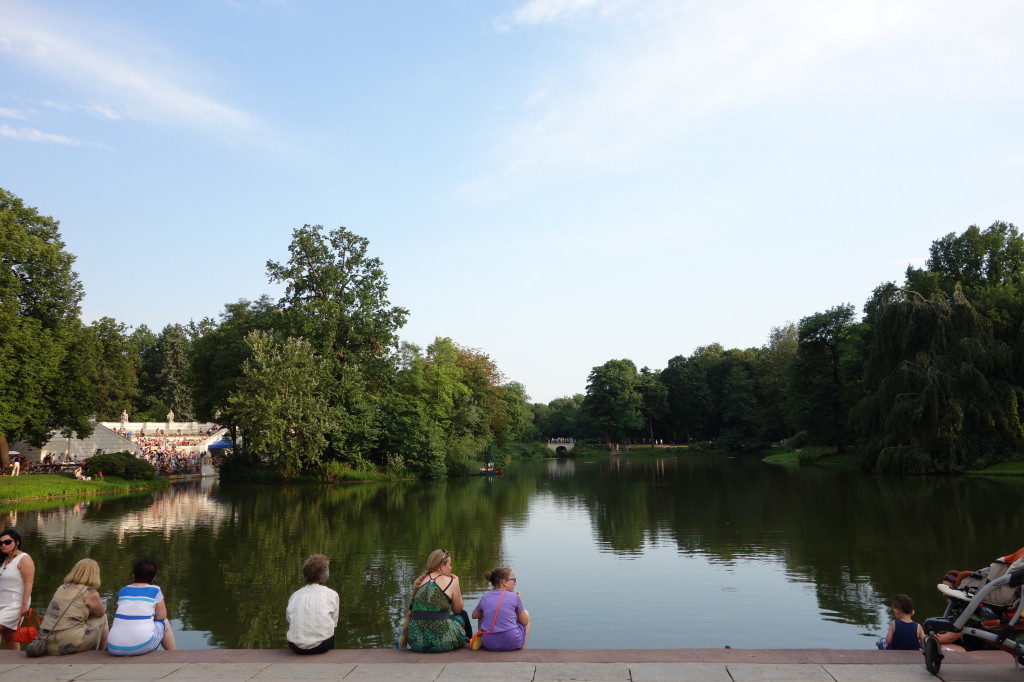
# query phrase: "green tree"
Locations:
[[654, 396], [819, 401], [279, 405], [114, 378], [773, 362], [614, 401], [174, 380], [336, 298], [939, 398], [740, 415], [689, 397], [39, 298], [218, 353]]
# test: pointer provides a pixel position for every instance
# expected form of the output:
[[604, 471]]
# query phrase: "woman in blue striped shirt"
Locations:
[[140, 624]]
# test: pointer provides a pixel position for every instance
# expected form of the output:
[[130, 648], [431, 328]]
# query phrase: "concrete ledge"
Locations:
[[531, 665]]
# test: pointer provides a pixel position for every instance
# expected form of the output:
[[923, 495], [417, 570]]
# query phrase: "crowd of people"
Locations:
[[76, 618]]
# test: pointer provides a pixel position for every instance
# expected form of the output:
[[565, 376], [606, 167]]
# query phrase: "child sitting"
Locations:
[[904, 633]]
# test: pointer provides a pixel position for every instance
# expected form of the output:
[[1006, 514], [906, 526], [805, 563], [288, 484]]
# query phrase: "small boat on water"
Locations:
[[490, 471]]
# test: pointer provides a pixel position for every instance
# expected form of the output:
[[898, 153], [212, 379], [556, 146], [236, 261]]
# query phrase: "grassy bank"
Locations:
[[44, 486], [1001, 469]]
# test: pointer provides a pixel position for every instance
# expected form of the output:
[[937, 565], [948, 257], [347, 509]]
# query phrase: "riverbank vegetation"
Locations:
[[930, 379], [41, 486]]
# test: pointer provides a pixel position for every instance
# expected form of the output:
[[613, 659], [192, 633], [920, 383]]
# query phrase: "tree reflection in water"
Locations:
[[625, 552]]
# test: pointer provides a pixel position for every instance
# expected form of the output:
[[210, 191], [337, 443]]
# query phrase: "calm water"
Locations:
[[628, 552]]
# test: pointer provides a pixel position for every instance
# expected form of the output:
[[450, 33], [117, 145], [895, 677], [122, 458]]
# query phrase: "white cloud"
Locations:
[[660, 70], [13, 113], [123, 79], [33, 135]]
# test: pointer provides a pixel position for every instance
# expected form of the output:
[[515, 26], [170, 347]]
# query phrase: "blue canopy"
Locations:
[[222, 444]]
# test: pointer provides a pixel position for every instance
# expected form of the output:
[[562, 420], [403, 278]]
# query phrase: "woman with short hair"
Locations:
[[140, 623], [313, 609], [76, 619]]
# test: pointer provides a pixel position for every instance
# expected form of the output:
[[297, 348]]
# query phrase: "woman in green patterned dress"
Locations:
[[437, 617]]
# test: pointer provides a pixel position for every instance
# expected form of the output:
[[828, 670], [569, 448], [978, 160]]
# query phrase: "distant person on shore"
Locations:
[[76, 619], [140, 624], [503, 623], [437, 616], [905, 634], [313, 609]]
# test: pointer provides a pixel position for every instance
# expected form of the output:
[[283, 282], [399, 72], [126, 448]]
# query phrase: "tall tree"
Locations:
[[174, 381], [819, 374], [279, 405], [689, 397], [336, 298], [740, 419], [939, 396], [218, 353], [114, 377], [39, 298], [655, 399], [613, 399]]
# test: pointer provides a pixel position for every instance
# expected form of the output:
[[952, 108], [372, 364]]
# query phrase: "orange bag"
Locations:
[[26, 633]]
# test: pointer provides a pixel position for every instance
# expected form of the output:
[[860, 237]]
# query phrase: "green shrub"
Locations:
[[121, 464]]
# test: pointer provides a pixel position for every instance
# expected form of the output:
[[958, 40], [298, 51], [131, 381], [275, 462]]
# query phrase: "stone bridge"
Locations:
[[562, 447]]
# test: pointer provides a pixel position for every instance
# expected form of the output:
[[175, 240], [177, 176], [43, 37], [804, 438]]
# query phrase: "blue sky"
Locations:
[[554, 182]]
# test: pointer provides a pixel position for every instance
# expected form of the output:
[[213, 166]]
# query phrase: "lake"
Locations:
[[636, 551]]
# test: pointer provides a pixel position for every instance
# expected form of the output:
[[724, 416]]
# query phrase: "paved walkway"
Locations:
[[621, 665]]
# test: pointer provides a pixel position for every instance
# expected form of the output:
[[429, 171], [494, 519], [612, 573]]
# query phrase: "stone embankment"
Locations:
[[626, 665]]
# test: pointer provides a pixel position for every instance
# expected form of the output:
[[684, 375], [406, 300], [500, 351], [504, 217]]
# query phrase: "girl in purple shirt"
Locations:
[[503, 623]]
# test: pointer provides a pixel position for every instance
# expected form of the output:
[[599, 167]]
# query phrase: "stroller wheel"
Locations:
[[932, 654]]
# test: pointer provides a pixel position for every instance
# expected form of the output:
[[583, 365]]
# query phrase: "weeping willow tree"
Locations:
[[940, 399]]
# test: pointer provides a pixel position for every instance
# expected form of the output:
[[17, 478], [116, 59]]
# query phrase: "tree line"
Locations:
[[318, 378], [930, 379]]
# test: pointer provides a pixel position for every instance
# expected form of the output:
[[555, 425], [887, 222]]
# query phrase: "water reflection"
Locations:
[[622, 552]]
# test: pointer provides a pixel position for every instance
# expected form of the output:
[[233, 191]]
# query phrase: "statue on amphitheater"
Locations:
[[170, 417], [124, 417]]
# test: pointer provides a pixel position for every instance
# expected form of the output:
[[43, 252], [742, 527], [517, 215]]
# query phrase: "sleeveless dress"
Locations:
[[11, 587], [434, 627], [76, 630]]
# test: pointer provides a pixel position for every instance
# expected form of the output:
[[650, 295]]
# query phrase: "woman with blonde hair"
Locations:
[[437, 617], [76, 619]]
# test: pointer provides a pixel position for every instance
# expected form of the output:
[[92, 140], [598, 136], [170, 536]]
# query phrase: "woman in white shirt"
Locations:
[[313, 610]]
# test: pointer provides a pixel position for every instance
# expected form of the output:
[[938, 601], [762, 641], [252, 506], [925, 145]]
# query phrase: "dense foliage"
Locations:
[[931, 379]]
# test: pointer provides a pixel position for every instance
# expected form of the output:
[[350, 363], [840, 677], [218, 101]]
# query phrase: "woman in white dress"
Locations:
[[16, 575]]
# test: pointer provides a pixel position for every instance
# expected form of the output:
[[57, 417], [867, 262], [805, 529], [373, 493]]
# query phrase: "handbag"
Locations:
[[477, 641], [37, 647], [27, 632]]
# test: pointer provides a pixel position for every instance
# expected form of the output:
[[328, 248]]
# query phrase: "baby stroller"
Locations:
[[987, 606]]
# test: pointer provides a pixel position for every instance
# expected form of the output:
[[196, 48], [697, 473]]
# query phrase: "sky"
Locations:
[[556, 183]]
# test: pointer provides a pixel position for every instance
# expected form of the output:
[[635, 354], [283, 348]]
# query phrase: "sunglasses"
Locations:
[[512, 579], [6, 542], [446, 554]]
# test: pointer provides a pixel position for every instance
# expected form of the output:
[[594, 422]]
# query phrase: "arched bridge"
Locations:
[[561, 446]]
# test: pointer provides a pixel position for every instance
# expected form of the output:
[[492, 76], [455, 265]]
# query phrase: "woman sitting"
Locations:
[[503, 623], [313, 610], [76, 619], [437, 617], [140, 624]]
